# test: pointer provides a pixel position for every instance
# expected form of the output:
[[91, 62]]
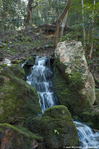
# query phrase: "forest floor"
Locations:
[[23, 43]]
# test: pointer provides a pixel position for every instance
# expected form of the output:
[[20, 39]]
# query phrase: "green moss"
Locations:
[[97, 97], [91, 117], [15, 62], [31, 58], [0, 129], [1, 80], [4, 65], [57, 111], [30, 61], [12, 70], [23, 60], [17, 137], [13, 128], [68, 87], [19, 100], [56, 118]]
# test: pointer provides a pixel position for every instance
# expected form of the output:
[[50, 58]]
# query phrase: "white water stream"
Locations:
[[87, 138], [41, 79]]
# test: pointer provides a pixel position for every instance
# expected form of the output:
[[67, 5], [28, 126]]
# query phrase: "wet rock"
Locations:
[[57, 127]]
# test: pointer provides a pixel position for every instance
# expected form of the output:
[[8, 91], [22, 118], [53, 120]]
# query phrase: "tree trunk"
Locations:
[[29, 12], [59, 20], [91, 49], [62, 26], [83, 20]]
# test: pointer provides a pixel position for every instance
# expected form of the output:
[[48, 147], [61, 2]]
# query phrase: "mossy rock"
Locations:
[[19, 101], [14, 138], [15, 62], [97, 97], [91, 117], [30, 61], [57, 127], [14, 70], [68, 87], [1, 80], [23, 60]]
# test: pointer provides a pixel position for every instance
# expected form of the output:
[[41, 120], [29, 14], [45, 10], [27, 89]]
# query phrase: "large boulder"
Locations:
[[91, 116], [19, 101], [57, 127], [97, 96], [74, 84], [15, 138]]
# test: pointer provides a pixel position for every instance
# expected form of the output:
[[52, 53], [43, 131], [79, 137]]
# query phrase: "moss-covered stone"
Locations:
[[19, 101], [15, 62], [91, 116], [14, 70], [14, 138], [97, 96], [1, 80], [57, 127], [23, 60], [30, 61], [68, 87], [76, 86]]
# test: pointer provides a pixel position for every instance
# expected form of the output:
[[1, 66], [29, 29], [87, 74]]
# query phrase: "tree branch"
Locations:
[[59, 20], [34, 6]]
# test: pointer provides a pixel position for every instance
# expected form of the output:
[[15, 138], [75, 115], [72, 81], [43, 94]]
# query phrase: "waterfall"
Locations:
[[41, 79], [87, 138]]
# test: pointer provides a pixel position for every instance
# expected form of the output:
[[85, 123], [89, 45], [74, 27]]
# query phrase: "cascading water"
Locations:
[[87, 138], [22, 65], [41, 79]]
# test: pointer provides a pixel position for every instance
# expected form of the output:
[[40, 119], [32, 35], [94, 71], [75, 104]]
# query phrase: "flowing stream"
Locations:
[[41, 79]]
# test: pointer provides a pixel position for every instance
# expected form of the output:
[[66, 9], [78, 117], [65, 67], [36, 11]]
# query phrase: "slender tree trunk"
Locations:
[[29, 12], [59, 20], [3, 32], [91, 49], [83, 20], [46, 13], [57, 9], [62, 26]]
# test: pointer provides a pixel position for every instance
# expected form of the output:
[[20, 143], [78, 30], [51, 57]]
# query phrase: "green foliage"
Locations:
[[49, 44], [74, 20], [56, 131]]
